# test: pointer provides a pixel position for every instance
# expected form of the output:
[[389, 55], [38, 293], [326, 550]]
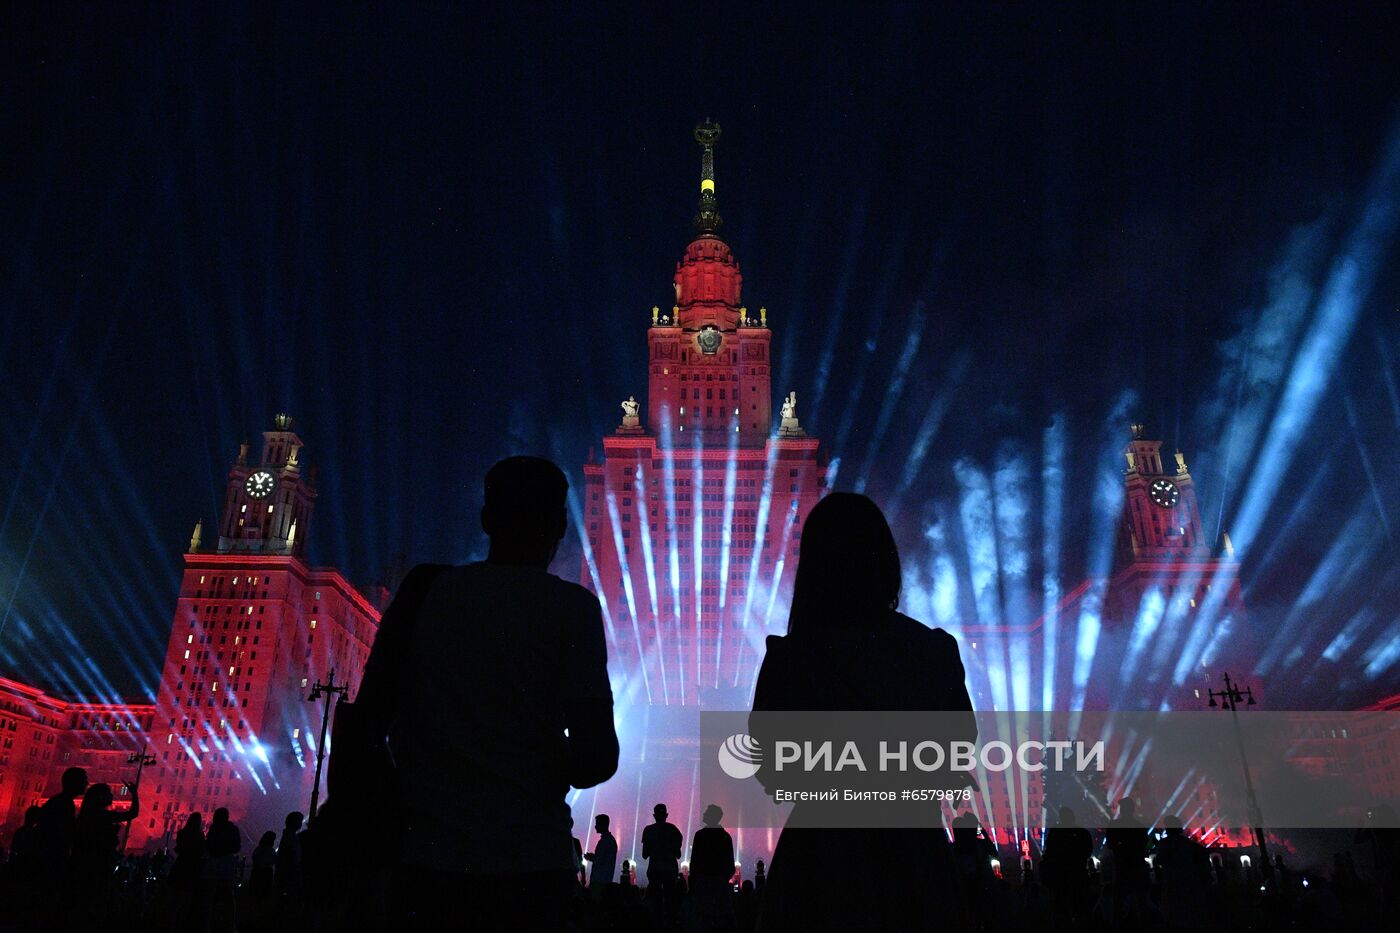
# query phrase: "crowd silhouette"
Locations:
[[486, 698]]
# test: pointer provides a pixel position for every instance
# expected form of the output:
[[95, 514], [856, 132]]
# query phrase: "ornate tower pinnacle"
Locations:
[[707, 219]]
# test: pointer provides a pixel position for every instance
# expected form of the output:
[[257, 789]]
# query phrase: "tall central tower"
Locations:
[[693, 515]]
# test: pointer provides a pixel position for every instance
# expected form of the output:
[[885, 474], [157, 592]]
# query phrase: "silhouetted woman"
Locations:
[[188, 868], [848, 649], [221, 845], [95, 847]]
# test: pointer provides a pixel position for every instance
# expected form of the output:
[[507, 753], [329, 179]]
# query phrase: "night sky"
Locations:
[[434, 236]]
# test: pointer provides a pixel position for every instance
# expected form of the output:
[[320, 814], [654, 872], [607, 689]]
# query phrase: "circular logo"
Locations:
[[740, 756]]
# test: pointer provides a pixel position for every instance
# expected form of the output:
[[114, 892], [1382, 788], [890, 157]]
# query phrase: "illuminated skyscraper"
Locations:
[[693, 516], [254, 626]]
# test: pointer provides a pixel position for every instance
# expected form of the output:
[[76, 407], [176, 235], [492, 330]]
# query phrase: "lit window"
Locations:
[[187, 654], [269, 509], [244, 509], [189, 639], [303, 681], [296, 733]]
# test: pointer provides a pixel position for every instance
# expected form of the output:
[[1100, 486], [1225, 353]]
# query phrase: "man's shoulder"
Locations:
[[529, 579]]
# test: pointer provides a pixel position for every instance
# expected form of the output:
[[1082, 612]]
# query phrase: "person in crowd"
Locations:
[[220, 876], [712, 850], [262, 880], [710, 905], [188, 870], [495, 676], [288, 865], [1183, 865], [973, 855], [95, 841], [1126, 838], [848, 648], [603, 858], [1064, 870], [1384, 838], [578, 857], [58, 824], [661, 847], [21, 870]]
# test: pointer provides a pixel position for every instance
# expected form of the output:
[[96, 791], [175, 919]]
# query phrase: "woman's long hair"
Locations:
[[847, 567]]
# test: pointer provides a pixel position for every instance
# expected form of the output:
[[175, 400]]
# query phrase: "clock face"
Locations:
[[1163, 493], [259, 484]]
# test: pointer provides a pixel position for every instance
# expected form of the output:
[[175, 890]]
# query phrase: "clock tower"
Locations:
[[267, 505], [254, 626], [1161, 518], [1164, 560]]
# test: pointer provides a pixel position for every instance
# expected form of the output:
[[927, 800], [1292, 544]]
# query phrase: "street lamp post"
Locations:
[[140, 760], [1229, 699], [327, 692]]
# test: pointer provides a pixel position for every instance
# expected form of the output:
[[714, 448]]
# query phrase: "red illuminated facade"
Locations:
[[254, 626], [42, 734], [231, 727], [694, 513]]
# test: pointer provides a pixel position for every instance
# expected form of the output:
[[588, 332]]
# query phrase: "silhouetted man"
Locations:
[[1126, 837], [661, 847], [603, 857], [1184, 867], [288, 866], [710, 905], [498, 673], [712, 852], [1064, 869], [58, 822]]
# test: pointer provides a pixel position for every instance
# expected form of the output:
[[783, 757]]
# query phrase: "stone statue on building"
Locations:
[[631, 416], [790, 426]]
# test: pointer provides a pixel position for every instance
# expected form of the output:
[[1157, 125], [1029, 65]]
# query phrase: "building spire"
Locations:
[[707, 219]]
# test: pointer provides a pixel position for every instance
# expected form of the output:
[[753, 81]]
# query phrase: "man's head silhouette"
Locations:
[[75, 782], [1127, 809], [659, 812], [713, 814], [524, 511], [1067, 816], [600, 823]]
